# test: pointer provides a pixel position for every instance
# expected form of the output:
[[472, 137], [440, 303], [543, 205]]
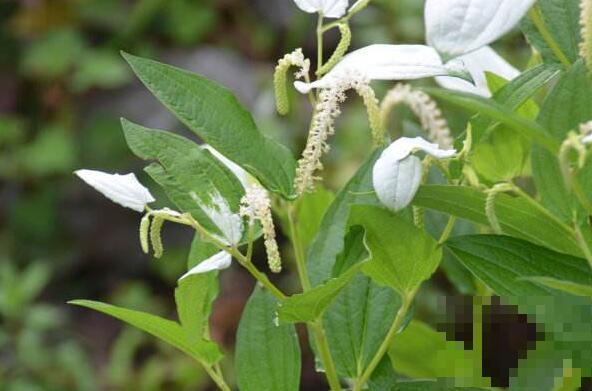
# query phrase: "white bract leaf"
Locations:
[[397, 174], [329, 8], [387, 62], [238, 171], [124, 190], [456, 27], [218, 261], [478, 62], [219, 212], [587, 139]]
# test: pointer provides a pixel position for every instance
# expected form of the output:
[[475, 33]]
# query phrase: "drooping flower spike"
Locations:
[[124, 190], [397, 173], [457, 31], [328, 8]]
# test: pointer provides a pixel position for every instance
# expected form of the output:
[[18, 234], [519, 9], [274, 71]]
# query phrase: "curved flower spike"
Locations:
[[329, 8], [397, 174], [124, 190], [389, 62], [218, 261], [456, 27], [477, 63]]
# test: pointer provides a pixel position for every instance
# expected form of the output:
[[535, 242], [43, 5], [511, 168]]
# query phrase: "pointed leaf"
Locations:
[[267, 354], [214, 114]]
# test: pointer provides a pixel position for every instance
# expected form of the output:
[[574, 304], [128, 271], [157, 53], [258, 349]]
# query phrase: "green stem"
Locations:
[[316, 327], [320, 42], [536, 17], [447, 230], [386, 343], [217, 378], [325, 353], [298, 251]]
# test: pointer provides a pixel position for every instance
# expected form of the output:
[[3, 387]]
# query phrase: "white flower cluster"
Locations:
[[325, 113], [424, 107], [586, 32], [256, 206], [296, 59]]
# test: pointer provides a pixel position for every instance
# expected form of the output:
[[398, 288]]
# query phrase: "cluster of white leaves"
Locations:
[[457, 31], [397, 173], [256, 206]]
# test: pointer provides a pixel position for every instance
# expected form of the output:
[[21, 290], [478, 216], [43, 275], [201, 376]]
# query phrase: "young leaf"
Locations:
[[164, 329], [505, 264], [310, 305], [401, 255], [359, 318], [214, 114], [516, 216], [328, 243], [477, 104], [267, 355]]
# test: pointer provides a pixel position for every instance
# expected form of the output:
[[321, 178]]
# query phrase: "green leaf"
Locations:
[[477, 104], [566, 106], [422, 352], [361, 315], [505, 263], [401, 255], [429, 386], [163, 329], [309, 306], [214, 114], [565, 286], [194, 297], [267, 355], [311, 209], [499, 156], [184, 170], [561, 19], [328, 243], [517, 217]]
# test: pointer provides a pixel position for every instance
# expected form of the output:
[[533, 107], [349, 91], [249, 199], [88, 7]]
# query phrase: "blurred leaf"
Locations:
[[54, 55], [188, 22], [565, 286], [52, 152], [516, 216], [267, 355], [166, 330], [214, 114], [389, 237], [99, 68], [429, 386], [505, 263]]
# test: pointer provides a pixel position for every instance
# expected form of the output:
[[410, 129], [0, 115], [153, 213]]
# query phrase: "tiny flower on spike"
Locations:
[[397, 173], [124, 190], [328, 8]]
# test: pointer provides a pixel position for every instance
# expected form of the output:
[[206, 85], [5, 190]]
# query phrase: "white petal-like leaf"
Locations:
[[456, 27], [396, 175], [237, 170], [329, 8], [396, 181], [217, 209], [479, 62], [219, 261], [124, 190], [386, 62]]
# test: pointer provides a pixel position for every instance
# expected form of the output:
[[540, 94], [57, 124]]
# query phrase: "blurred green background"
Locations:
[[63, 88]]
